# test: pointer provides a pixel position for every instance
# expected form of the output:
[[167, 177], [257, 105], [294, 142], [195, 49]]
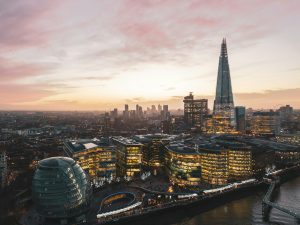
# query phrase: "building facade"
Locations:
[[240, 116], [183, 165], [195, 111], [223, 104], [96, 157], [265, 123], [153, 148], [129, 156], [61, 189], [214, 165]]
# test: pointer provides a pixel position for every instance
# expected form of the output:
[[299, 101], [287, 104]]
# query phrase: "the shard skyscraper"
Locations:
[[223, 104]]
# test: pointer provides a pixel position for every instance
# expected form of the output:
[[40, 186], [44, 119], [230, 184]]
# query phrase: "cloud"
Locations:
[[20, 23], [11, 70], [12, 94], [270, 98], [100, 78]]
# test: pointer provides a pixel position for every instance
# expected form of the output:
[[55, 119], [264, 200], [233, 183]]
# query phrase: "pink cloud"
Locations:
[[14, 93], [14, 70], [147, 34], [20, 23]]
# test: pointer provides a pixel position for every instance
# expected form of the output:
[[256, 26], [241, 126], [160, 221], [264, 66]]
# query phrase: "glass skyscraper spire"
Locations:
[[223, 104]]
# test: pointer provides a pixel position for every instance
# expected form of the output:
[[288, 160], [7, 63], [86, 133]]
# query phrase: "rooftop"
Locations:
[[126, 141], [150, 137], [85, 144], [55, 162], [180, 147]]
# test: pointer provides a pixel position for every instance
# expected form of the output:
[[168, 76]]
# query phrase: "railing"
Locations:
[[267, 204]]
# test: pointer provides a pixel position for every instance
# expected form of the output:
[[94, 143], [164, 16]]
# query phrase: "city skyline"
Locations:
[[54, 56]]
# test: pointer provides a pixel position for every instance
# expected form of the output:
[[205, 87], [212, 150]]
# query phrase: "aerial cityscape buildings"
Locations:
[[103, 167]]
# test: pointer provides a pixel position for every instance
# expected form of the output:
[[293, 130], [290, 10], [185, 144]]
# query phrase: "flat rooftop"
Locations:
[[126, 141], [150, 137], [181, 148], [85, 144]]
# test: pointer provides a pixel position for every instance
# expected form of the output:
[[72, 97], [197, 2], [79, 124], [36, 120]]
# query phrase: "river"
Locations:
[[248, 210]]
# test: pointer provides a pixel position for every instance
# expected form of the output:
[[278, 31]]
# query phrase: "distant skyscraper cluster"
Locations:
[[139, 113]]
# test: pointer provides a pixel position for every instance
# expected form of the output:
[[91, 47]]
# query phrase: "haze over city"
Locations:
[[98, 55]]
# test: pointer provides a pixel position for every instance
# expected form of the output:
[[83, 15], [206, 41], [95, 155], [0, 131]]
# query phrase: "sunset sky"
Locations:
[[102, 54]]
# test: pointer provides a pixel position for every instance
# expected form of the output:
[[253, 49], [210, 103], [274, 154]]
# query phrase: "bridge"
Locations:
[[267, 205]]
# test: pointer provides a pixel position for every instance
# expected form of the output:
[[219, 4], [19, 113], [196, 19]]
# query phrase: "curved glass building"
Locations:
[[60, 188]]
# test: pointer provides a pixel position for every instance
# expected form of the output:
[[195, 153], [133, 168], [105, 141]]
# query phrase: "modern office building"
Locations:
[[240, 116], [61, 190], [195, 111], [96, 157], [240, 160], [214, 164], [265, 123], [153, 148], [129, 156], [183, 165], [223, 104]]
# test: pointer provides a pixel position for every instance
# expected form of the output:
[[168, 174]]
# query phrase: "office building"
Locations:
[[223, 104], [129, 156], [153, 148], [214, 164], [195, 111], [96, 157], [240, 159], [183, 165], [240, 115], [265, 123], [61, 189]]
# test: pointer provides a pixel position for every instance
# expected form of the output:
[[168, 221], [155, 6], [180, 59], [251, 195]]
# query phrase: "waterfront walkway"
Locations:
[[160, 192]]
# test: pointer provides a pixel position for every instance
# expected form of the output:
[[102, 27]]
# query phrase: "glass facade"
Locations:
[[153, 148], [214, 166], [98, 161], [129, 157], [240, 115], [183, 166], [60, 188], [265, 123], [223, 104], [240, 165]]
